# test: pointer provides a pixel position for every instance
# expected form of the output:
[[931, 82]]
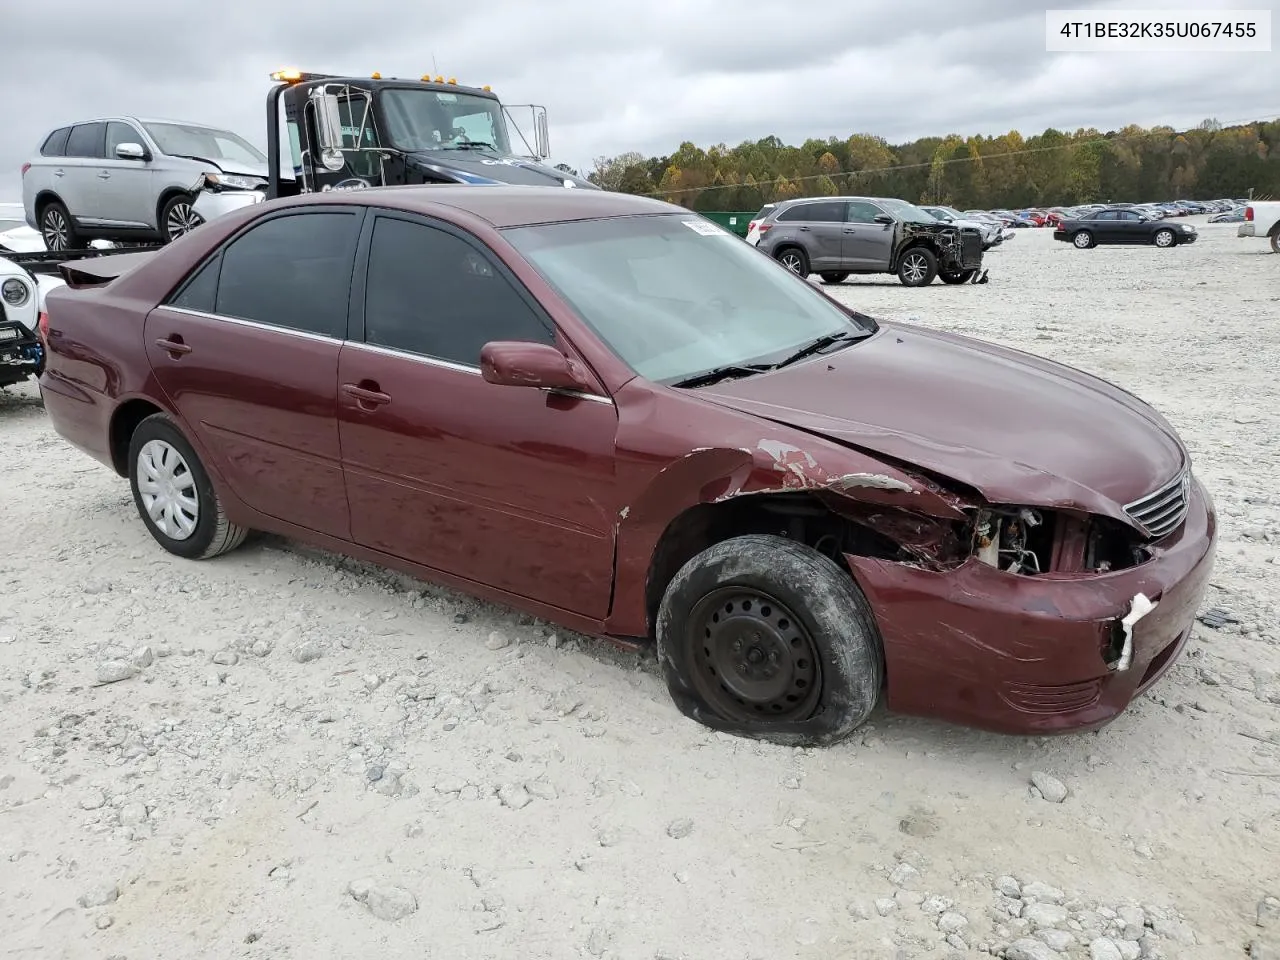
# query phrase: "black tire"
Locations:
[[177, 217], [794, 259], [57, 229], [791, 601], [213, 533], [1082, 240], [834, 277], [1275, 241], [1164, 238], [956, 276], [917, 267]]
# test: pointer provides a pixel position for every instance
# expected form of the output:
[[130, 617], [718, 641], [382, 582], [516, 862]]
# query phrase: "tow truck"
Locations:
[[342, 133], [350, 133]]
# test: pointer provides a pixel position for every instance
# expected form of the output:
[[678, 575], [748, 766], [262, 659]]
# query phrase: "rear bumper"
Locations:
[[1023, 655], [80, 416], [1246, 229]]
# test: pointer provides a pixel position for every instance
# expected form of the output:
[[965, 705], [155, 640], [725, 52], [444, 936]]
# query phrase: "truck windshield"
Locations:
[[190, 140], [434, 120]]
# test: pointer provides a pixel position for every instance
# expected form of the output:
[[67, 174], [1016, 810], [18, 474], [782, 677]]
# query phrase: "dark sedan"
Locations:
[[611, 413], [1122, 226]]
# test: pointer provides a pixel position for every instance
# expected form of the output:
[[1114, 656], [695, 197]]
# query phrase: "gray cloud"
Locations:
[[623, 77]]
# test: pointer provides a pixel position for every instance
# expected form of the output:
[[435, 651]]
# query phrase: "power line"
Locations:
[[930, 163]]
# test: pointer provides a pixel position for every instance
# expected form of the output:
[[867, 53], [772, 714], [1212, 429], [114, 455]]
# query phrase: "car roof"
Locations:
[[506, 206], [184, 123]]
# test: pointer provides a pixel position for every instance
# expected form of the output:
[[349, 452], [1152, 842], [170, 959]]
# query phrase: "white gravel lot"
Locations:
[[424, 788]]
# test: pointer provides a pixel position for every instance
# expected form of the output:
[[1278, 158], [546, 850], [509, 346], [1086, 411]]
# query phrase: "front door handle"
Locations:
[[366, 394], [104, 175], [59, 173], [173, 345], [804, 229]]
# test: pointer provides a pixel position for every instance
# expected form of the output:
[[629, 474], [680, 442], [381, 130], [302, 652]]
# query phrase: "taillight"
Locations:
[[752, 225], [25, 168], [765, 228], [1248, 213]]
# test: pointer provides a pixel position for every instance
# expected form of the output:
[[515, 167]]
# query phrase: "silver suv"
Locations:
[[838, 236], [125, 179]]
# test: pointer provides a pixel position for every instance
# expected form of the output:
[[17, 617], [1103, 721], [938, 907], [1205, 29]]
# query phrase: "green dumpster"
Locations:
[[733, 220]]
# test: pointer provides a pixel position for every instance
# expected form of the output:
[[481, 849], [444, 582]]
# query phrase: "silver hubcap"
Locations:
[[1164, 238], [1082, 239], [791, 261], [168, 490], [182, 219], [915, 268], [55, 231]]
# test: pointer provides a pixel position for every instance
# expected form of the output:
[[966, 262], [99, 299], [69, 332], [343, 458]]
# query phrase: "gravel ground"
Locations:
[[312, 758]]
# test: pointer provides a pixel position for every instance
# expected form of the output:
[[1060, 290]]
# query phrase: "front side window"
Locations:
[[291, 271], [432, 293], [861, 211], [204, 143], [118, 133], [419, 119], [901, 210], [674, 297]]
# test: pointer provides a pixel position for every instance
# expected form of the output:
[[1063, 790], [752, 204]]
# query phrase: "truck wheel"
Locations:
[[956, 276], [764, 637], [1082, 239], [794, 259], [178, 217], [57, 229], [918, 267], [1275, 241], [838, 277], [174, 495]]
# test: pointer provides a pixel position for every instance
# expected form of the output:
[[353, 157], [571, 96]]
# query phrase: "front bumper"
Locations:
[[211, 204], [1246, 229], [1022, 655]]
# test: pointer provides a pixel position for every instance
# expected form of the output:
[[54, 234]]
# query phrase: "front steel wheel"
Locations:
[[753, 657]]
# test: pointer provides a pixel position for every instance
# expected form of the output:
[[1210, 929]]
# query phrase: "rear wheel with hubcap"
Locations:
[[765, 637], [1083, 240], [57, 230], [795, 260], [174, 495]]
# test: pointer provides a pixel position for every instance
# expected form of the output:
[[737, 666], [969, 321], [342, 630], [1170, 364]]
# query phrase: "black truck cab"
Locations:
[[346, 133]]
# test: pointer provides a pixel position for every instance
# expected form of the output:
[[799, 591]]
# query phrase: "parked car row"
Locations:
[[836, 237], [1052, 216]]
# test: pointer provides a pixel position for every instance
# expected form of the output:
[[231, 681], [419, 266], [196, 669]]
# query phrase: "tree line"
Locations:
[[1135, 164]]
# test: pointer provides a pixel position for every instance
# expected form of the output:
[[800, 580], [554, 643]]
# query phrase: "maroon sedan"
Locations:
[[610, 413]]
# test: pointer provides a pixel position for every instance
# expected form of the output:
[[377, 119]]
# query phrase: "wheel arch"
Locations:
[[42, 200], [124, 421]]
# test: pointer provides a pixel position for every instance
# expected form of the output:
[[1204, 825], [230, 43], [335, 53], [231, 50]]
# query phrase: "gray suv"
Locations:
[[838, 236], [125, 179]]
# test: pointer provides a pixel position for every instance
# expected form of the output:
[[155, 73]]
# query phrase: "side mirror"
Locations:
[[541, 135], [884, 218], [328, 130], [130, 151], [520, 363]]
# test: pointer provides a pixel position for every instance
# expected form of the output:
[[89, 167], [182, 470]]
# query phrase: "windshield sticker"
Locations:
[[704, 227]]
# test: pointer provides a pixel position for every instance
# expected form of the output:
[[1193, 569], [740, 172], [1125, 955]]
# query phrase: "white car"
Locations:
[[1262, 220], [21, 302], [992, 233]]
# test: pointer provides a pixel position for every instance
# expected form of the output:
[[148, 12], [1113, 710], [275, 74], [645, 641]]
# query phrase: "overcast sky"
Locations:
[[618, 75]]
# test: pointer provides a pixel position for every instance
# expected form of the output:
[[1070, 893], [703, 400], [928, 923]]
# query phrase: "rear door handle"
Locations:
[[104, 175], [173, 345], [366, 394], [59, 173], [804, 229]]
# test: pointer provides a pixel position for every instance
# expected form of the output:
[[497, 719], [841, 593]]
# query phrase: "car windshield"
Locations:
[[207, 143], [676, 296], [419, 119], [904, 211]]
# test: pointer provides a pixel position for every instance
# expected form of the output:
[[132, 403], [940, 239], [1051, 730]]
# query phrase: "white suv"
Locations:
[[125, 179]]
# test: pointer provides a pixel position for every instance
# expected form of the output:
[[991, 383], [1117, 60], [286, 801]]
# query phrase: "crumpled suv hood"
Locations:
[[1017, 428]]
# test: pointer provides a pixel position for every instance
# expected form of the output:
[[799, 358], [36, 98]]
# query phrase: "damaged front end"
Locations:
[[217, 194]]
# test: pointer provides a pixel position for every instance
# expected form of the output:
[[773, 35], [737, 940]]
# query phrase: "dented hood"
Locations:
[[1017, 428]]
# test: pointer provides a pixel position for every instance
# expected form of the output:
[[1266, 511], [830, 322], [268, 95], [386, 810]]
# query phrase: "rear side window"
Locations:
[[200, 292], [87, 140], [826, 211], [292, 271], [55, 145]]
